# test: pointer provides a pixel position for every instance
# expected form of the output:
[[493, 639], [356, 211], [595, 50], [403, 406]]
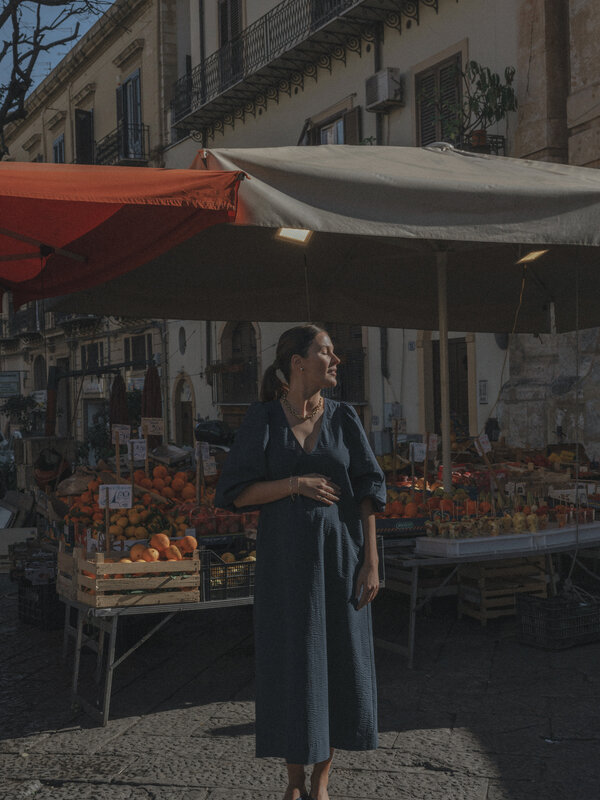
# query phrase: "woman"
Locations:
[[305, 462]]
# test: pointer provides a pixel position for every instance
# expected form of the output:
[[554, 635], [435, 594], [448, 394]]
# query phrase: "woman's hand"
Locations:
[[367, 584], [319, 488]]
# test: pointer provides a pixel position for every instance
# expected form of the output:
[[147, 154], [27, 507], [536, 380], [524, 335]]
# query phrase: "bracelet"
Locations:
[[293, 494]]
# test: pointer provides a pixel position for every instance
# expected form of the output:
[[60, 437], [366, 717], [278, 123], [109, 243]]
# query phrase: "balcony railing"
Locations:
[[127, 144], [294, 34], [235, 382]]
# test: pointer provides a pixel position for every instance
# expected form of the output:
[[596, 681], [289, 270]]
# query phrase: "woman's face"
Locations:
[[320, 364]]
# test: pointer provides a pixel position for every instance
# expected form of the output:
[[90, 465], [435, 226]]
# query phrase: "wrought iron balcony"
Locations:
[[234, 382], [77, 324], [127, 144], [275, 53]]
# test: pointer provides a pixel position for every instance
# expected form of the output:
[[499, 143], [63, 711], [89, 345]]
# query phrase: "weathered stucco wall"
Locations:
[[544, 398]]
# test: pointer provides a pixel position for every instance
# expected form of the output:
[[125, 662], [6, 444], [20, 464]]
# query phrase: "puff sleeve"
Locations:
[[365, 474], [246, 462]]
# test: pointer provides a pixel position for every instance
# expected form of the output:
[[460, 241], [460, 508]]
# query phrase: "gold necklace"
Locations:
[[293, 411]]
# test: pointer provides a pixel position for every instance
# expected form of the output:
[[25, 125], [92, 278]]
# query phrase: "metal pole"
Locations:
[[442, 264]]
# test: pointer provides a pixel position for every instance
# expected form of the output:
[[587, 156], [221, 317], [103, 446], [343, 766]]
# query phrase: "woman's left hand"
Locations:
[[367, 585]]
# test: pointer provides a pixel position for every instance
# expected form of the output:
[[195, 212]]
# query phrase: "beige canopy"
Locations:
[[380, 215]]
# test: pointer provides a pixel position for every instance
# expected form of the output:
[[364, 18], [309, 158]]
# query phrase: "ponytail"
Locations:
[[272, 386]]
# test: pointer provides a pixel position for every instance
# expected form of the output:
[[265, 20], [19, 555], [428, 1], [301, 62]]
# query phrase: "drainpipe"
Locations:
[[161, 78]]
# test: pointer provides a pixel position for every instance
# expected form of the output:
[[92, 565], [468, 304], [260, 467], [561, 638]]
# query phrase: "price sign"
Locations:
[[521, 488], [510, 488], [124, 432], [482, 444], [120, 495], [210, 466], [137, 449], [432, 445], [153, 426], [418, 451]]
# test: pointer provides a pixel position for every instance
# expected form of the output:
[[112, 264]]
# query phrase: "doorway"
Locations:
[[458, 363], [184, 413]]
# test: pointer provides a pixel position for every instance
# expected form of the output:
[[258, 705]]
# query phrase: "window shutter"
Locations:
[[127, 350], [149, 347], [83, 359], [426, 112], [235, 18], [449, 75], [352, 131], [100, 354], [84, 136]]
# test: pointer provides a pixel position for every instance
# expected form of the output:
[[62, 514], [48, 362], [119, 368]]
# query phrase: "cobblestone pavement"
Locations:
[[480, 718]]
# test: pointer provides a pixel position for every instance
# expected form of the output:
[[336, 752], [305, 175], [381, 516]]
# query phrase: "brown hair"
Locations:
[[294, 341]]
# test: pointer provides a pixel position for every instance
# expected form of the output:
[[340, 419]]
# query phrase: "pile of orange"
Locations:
[[176, 486]]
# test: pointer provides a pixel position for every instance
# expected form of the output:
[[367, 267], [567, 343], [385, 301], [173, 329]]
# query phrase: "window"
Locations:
[[129, 118], [58, 149], [84, 136], [92, 355], [182, 340], [341, 128], [231, 57], [138, 349], [438, 98], [39, 373]]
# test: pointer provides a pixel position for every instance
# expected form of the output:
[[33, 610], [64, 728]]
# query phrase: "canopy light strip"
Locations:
[[533, 255], [295, 235]]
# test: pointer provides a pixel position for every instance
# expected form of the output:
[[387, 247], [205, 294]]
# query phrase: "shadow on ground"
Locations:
[[480, 717]]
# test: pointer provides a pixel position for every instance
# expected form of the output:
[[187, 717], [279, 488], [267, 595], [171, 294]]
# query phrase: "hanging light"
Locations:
[[295, 235], [533, 255]]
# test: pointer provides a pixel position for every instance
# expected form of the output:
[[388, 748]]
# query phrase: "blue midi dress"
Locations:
[[315, 673]]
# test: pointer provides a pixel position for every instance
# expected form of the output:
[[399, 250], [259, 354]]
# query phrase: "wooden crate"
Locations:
[[432, 580], [143, 583], [66, 585], [489, 591]]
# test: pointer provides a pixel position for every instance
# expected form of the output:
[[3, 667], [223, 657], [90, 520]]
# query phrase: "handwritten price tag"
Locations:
[[120, 495], [124, 432], [418, 451], [432, 446], [153, 426], [137, 449]]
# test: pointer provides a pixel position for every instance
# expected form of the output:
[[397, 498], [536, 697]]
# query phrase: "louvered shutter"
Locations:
[[352, 133], [426, 99], [449, 93]]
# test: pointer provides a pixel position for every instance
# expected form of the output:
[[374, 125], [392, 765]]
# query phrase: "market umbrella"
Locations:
[[70, 226], [152, 400], [118, 413], [392, 227]]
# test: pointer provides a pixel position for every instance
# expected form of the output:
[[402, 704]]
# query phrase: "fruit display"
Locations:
[[169, 507]]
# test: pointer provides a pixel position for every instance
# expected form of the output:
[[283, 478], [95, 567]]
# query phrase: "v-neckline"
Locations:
[[291, 430]]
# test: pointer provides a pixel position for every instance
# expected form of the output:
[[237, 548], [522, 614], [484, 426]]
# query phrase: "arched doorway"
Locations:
[[184, 412], [39, 374], [236, 382]]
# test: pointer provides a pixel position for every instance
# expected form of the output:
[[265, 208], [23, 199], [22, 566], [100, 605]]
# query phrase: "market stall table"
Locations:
[[414, 562], [105, 621]]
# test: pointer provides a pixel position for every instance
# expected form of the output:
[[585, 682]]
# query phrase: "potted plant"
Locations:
[[486, 99]]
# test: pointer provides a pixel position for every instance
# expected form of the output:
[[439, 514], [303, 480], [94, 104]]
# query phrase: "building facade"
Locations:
[[104, 103], [255, 73]]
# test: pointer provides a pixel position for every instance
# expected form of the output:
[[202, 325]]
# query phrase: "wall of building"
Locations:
[[485, 31]]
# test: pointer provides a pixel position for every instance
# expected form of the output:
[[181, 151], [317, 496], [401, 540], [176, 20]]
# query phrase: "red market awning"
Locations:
[[68, 227]]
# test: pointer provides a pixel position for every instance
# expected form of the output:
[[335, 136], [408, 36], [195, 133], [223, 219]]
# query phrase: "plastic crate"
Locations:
[[40, 605], [222, 580], [557, 623]]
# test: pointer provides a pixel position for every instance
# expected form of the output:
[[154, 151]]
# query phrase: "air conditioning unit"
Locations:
[[384, 90]]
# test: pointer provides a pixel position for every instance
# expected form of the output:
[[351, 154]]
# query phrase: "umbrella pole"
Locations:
[[442, 265]]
